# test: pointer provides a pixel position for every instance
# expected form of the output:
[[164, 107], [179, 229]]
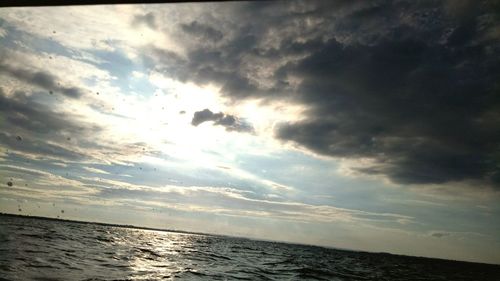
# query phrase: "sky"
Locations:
[[366, 125]]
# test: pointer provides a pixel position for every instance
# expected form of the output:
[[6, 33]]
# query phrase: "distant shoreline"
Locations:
[[108, 224], [237, 237]]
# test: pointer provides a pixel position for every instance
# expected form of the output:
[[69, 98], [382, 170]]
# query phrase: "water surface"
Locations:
[[37, 249]]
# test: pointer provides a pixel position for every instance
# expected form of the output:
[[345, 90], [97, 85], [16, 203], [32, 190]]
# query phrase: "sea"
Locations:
[[41, 249]]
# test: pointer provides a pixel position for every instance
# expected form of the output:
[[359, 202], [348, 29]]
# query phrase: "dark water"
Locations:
[[35, 249]]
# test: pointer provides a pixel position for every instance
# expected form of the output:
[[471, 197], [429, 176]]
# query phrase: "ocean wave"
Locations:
[[59, 250]]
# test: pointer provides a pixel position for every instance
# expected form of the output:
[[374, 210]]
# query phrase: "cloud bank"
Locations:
[[412, 86]]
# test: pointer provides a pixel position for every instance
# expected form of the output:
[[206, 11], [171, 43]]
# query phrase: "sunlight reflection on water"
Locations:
[[159, 255], [33, 249]]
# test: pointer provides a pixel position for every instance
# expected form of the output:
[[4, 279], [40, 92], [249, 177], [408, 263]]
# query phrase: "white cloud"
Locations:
[[95, 170]]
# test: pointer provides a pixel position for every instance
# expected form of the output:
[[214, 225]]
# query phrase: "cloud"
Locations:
[[43, 131], [205, 115], [404, 103], [147, 19], [41, 79], [25, 111], [95, 170], [230, 122], [440, 234], [202, 31], [38, 148], [460, 234], [411, 85], [205, 66], [233, 202], [37, 183]]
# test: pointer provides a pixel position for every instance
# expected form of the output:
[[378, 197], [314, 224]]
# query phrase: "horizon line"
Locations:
[[231, 236]]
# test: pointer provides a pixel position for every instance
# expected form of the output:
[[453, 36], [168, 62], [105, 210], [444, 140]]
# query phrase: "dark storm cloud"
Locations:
[[422, 109], [147, 19], [404, 103], [40, 79], [230, 122], [39, 127], [204, 116], [412, 85], [202, 31], [206, 66], [225, 63]]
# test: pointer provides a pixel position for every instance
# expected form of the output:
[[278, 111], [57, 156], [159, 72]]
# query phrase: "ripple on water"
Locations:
[[37, 249]]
